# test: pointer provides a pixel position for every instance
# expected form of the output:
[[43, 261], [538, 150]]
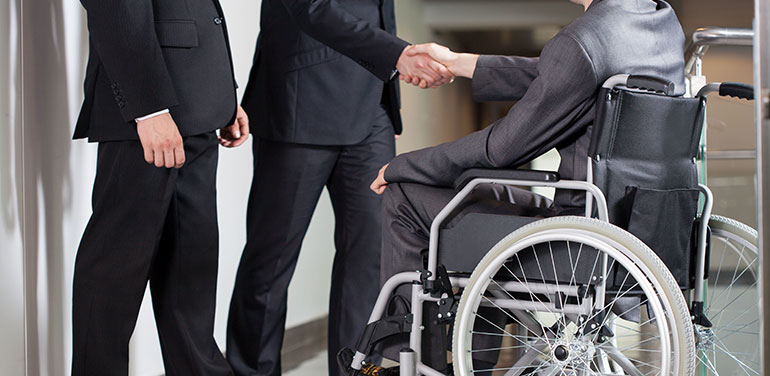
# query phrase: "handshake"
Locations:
[[431, 65]]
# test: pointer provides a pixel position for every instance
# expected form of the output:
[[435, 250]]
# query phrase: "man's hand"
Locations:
[[236, 134], [379, 184], [422, 69], [462, 65], [161, 141]]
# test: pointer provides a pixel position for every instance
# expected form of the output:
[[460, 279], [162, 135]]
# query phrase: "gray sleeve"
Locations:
[[554, 108], [503, 78]]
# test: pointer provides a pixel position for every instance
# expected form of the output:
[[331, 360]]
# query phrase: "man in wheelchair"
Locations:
[[556, 98]]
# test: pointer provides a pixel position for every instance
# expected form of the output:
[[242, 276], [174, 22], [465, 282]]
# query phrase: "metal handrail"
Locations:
[[705, 37]]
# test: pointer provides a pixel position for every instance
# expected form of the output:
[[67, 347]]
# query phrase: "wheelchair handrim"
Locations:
[[621, 254]]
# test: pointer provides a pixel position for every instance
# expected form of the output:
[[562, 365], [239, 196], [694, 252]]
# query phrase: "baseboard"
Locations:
[[303, 342]]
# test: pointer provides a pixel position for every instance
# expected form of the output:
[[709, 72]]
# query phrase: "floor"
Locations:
[[314, 366]]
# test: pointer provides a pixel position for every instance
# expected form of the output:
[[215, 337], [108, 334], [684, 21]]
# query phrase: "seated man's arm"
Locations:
[[495, 78], [503, 78], [556, 107]]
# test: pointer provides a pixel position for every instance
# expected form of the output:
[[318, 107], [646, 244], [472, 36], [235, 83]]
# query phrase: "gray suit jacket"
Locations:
[[556, 94]]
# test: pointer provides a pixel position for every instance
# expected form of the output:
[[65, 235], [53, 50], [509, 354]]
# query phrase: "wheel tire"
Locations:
[[729, 225], [744, 352], [679, 310]]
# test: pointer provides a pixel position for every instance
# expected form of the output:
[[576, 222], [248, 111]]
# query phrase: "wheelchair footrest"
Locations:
[[345, 359], [383, 328]]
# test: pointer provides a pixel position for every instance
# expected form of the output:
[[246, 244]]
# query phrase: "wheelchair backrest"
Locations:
[[642, 157]]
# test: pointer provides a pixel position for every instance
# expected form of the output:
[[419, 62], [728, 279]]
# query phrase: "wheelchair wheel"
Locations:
[[731, 345], [572, 296]]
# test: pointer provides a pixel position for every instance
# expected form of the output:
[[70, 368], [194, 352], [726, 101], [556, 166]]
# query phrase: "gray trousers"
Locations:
[[408, 211]]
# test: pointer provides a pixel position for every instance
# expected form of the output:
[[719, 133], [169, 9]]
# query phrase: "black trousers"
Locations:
[[157, 225], [288, 180], [408, 211]]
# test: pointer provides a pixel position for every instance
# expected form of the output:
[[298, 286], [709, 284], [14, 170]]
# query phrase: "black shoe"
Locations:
[[369, 369], [345, 358]]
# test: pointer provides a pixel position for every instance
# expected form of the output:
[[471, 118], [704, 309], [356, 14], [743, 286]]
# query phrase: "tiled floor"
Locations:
[[311, 367], [317, 366]]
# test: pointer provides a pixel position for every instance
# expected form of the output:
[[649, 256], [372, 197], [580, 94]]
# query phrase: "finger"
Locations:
[[429, 75], [179, 156], [417, 49], [426, 72], [439, 83], [440, 69], [168, 158], [149, 157], [424, 84], [377, 183], [158, 158], [241, 140], [244, 121]]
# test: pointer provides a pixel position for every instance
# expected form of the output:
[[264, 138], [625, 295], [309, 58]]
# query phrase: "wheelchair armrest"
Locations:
[[529, 175]]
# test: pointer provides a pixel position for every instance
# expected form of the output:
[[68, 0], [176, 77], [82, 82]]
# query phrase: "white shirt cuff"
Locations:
[[152, 115]]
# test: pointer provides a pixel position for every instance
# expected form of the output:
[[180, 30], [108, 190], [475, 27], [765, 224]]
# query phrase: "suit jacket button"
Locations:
[[114, 86], [217, 20], [121, 104]]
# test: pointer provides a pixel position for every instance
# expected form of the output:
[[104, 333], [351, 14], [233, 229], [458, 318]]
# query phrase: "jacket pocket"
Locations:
[[177, 33], [312, 57], [664, 220]]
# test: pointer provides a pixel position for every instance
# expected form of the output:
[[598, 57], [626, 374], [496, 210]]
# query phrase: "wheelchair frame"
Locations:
[[426, 284], [420, 294], [423, 282]]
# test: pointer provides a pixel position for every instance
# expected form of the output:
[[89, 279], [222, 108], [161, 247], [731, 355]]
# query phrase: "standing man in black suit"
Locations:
[[159, 82], [323, 94]]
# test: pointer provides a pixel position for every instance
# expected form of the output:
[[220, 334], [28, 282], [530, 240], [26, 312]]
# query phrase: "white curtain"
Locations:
[[11, 262], [56, 175]]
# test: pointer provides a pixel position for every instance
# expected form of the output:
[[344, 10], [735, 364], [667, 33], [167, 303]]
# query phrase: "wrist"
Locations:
[[152, 115], [464, 65]]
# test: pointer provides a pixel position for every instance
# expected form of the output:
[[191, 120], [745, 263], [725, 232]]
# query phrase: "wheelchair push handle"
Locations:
[[728, 89], [650, 83], [642, 82], [737, 90]]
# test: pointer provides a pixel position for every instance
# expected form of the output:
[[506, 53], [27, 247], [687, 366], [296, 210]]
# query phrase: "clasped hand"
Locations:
[[420, 69], [427, 65]]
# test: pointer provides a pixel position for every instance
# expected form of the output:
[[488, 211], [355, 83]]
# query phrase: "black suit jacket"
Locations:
[[321, 69], [148, 55]]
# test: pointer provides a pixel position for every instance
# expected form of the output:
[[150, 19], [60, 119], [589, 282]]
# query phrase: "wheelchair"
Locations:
[[645, 283]]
